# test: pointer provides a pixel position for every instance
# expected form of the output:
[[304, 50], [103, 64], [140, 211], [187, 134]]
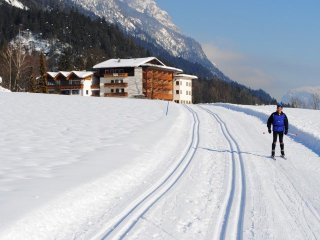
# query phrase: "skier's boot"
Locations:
[[282, 150], [273, 150]]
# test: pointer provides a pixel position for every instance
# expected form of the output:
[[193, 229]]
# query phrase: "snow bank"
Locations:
[[2, 89], [304, 123]]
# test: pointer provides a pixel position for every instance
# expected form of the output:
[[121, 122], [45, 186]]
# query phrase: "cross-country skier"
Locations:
[[280, 126]]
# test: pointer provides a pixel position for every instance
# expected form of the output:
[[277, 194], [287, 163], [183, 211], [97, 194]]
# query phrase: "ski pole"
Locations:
[[290, 134], [293, 134]]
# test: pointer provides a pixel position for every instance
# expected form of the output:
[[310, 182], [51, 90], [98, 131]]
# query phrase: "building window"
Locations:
[[87, 92], [177, 91], [176, 101], [117, 90], [112, 90], [180, 91], [112, 81], [75, 92], [65, 92], [177, 83], [122, 90]]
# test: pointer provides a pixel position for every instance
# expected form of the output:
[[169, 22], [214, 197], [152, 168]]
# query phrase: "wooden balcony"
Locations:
[[125, 94], [113, 75], [70, 87], [62, 87], [95, 86], [116, 85]]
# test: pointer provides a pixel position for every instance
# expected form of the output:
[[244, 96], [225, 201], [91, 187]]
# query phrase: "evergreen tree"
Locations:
[[33, 83]]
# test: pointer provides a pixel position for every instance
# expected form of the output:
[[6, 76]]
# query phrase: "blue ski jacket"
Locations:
[[279, 122]]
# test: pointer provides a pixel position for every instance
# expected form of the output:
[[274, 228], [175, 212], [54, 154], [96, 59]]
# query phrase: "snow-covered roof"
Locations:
[[52, 74], [186, 76], [65, 74], [82, 74], [79, 74], [132, 62], [162, 67]]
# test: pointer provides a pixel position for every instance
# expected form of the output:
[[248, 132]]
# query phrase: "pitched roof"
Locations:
[[52, 74], [65, 74], [186, 76], [82, 74], [162, 67], [132, 62]]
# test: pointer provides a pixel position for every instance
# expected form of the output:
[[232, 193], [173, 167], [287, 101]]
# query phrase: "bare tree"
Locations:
[[19, 62], [14, 65], [7, 64], [296, 102], [315, 101]]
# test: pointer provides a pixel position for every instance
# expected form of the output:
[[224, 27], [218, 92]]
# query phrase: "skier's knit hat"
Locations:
[[279, 105]]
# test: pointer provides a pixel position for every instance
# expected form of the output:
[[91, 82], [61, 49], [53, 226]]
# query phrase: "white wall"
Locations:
[[86, 86], [134, 83], [185, 90]]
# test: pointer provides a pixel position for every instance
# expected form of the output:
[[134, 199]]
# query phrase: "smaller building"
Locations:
[[183, 88], [81, 83]]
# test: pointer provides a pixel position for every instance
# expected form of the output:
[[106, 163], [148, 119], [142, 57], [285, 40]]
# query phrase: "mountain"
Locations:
[[76, 40], [304, 97], [147, 22]]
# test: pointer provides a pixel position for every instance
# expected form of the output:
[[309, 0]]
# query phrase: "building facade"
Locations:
[[140, 77], [135, 78], [80, 83], [183, 88]]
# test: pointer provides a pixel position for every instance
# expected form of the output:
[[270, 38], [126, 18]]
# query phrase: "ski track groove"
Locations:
[[299, 198], [225, 218], [128, 219]]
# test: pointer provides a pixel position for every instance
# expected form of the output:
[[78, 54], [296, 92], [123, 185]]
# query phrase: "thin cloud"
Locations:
[[238, 66]]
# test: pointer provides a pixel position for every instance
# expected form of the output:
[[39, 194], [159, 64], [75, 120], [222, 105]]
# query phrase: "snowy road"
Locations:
[[200, 172]]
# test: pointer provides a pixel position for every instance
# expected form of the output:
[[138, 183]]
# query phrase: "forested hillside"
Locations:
[[78, 41]]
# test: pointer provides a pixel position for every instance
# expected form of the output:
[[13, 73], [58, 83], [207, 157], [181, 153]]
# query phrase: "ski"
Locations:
[[284, 157], [273, 157]]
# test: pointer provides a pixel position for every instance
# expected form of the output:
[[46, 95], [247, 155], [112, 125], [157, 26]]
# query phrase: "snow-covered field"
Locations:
[[99, 168]]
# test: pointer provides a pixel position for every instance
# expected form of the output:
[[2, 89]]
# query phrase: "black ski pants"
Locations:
[[275, 138]]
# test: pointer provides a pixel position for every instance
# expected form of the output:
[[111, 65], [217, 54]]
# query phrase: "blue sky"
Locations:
[[274, 45]]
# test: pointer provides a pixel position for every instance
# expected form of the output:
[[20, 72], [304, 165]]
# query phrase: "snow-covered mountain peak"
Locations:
[[145, 20], [150, 8]]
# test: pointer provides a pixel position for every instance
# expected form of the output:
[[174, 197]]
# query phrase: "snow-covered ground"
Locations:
[[98, 168], [2, 89]]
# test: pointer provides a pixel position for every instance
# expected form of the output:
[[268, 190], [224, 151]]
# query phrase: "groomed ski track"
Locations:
[[231, 216], [230, 221], [258, 198], [125, 222]]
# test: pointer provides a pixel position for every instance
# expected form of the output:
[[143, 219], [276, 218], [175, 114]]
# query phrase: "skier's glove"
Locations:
[[269, 131], [285, 132]]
